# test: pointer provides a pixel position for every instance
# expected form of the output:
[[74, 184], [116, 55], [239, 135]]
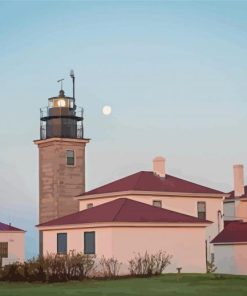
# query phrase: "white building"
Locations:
[[231, 244], [12, 242]]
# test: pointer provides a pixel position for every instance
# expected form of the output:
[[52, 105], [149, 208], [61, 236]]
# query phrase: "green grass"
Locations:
[[190, 284]]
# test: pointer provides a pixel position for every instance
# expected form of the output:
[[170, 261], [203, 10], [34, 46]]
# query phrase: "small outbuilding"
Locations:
[[122, 228], [12, 242], [230, 247]]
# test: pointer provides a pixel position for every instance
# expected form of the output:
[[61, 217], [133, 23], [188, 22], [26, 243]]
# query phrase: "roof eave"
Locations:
[[229, 243], [155, 193], [124, 224], [13, 231]]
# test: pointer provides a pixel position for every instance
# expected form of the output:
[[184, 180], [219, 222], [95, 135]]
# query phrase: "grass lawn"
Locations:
[[190, 284]]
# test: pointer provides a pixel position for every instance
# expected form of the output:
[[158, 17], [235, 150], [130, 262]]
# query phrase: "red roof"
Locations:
[[7, 227], [233, 196], [124, 210], [148, 181], [226, 222], [235, 232]]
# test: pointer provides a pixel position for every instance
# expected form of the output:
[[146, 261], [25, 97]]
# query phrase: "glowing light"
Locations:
[[61, 103]]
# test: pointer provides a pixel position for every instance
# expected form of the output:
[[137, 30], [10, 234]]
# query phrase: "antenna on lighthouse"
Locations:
[[61, 80], [72, 75]]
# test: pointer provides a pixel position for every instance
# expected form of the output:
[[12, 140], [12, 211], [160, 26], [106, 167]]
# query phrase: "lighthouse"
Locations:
[[61, 157]]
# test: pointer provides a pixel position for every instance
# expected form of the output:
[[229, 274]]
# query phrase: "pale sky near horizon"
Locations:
[[174, 74]]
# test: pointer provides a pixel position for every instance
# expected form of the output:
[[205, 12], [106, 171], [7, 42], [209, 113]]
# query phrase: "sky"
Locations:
[[174, 74]]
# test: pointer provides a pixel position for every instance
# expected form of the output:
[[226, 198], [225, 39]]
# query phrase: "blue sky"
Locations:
[[173, 72]]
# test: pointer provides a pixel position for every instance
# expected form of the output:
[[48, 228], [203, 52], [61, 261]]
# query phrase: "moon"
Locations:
[[106, 110]]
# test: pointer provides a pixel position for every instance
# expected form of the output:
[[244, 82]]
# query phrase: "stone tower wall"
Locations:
[[58, 182]]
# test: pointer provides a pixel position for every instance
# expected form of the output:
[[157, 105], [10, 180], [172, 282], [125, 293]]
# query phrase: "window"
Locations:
[[62, 243], [90, 205], [201, 210], [70, 157], [89, 242], [4, 250], [157, 203]]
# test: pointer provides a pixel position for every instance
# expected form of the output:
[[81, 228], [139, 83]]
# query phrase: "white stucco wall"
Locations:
[[16, 246], [186, 244], [231, 259]]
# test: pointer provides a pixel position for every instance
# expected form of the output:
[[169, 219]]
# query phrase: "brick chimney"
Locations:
[[238, 173], [159, 166]]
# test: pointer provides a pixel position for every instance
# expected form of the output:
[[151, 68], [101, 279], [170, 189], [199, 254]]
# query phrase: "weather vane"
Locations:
[[61, 80]]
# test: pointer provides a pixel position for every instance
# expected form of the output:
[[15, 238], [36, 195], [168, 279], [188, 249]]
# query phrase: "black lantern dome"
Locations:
[[61, 118]]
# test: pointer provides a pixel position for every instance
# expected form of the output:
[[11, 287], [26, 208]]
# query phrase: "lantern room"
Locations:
[[61, 118], [61, 101]]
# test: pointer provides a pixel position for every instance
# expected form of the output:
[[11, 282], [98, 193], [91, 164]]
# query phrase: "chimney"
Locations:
[[159, 166], [238, 172]]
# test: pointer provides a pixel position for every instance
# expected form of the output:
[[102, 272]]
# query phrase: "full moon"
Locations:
[[106, 110]]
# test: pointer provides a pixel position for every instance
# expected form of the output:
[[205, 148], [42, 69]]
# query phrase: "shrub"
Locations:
[[146, 264], [34, 269], [109, 267], [12, 272], [50, 268], [77, 266]]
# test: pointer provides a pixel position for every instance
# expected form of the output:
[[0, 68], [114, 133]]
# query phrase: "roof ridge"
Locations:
[[124, 201]]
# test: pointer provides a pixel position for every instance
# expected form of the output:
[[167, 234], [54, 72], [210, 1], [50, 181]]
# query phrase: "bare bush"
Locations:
[[79, 265], [211, 267], [109, 267], [146, 264]]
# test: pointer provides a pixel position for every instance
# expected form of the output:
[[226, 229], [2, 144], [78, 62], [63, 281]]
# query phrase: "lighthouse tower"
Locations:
[[61, 157]]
